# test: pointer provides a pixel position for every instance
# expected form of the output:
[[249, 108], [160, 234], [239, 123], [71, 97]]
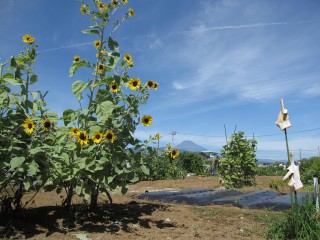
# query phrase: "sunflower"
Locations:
[[115, 3], [157, 136], [101, 53], [134, 83], [76, 58], [83, 9], [28, 38], [47, 124], [82, 137], [101, 68], [101, 6], [28, 125], [97, 44], [97, 137], [74, 131], [149, 83], [155, 86], [131, 64], [128, 57], [114, 87], [109, 136], [131, 12], [146, 120], [174, 153], [124, 1]]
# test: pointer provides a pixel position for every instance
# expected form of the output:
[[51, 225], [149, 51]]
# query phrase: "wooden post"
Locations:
[[316, 192]]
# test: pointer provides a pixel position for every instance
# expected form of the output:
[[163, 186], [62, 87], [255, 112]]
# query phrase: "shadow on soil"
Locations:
[[106, 218]]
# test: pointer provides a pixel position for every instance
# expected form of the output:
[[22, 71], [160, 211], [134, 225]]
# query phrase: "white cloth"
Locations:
[[294, 172]]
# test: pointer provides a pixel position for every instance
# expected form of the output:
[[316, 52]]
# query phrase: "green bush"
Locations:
[[161, 167], [271, 170], [193, 163], [238, 165], [310, 168]]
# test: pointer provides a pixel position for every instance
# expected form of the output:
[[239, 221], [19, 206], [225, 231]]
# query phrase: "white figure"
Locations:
[[283, 117], [293, 171]]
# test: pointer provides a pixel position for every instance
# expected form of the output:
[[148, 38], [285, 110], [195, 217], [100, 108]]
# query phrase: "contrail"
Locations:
[[255, 25], [69, 46], [246, 26]]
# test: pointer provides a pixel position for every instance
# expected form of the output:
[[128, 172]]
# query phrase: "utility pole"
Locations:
[[300, 154], [319, 151], [172, 133]]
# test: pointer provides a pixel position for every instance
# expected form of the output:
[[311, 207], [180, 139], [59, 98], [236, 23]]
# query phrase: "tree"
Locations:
[[238, 167], [192, 162]]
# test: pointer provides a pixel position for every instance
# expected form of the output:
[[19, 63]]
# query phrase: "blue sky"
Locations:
[[224, 62]]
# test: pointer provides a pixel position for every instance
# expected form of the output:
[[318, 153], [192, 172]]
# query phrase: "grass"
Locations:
[[302, 222]]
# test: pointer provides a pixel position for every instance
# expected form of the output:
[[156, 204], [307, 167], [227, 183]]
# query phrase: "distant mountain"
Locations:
[[189, 146]]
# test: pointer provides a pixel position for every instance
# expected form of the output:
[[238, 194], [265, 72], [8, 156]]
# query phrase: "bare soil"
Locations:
[[130, 218]]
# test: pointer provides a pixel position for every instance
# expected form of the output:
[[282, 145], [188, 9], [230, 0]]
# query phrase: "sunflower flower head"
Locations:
[[131, 64], [47, 124], [124, 1], [74, 131], [131, 12], [114, 87], [76, 58], [127, 57], [101, 53], [101, 6], [115, 3], [83, 9], [134, 83], [101, 68], [146, 120], [149, 83], [82, 138], [174, 153], [97, 137], [28, 126], [109, 136], [155, 86], [97, 44], [28, 38], [157, 136]]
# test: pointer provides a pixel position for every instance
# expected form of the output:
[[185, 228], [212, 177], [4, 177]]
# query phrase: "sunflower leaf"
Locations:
[[104, 109], [75, 66], [17, 161], [113, 45], [78, 87], [91, 31], [9, 78], [145, 170]]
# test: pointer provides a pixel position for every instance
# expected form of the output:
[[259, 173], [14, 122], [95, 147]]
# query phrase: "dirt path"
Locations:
[[130, 218]]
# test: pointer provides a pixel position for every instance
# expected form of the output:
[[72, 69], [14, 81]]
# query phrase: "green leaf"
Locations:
[[104, 109], [124, 189], [78, 87], [114, 59], [69, 116], [33, 168], [91, 31], [33, 79], [145, 170], [27, 185], [34, 94], [17, 161], [110, 179], [13, 62], [9, 78], [113, 45], [75, 66], [134, 179]]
